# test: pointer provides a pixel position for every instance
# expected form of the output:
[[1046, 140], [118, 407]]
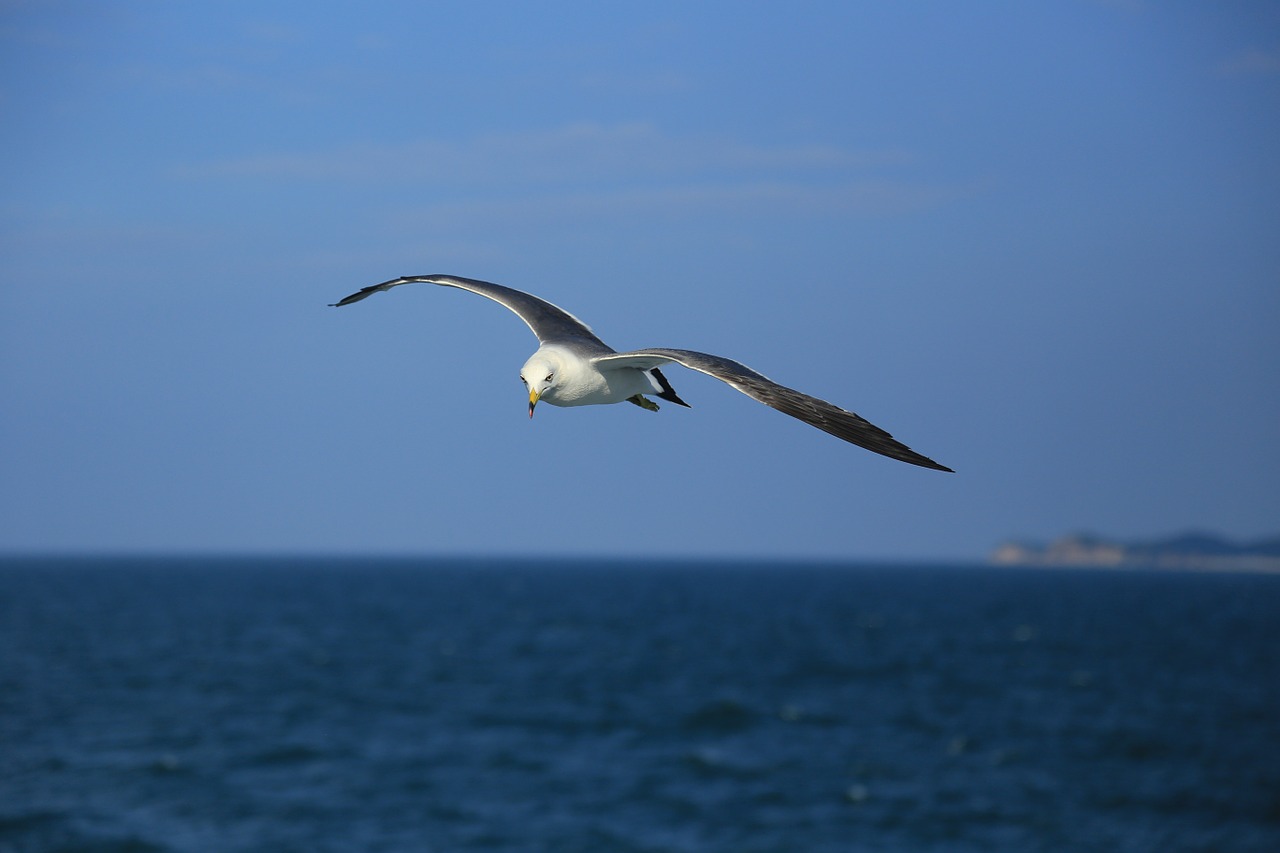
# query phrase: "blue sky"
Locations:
[[1035, 241]]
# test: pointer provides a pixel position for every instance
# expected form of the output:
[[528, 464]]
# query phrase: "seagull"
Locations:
[[573, 367]]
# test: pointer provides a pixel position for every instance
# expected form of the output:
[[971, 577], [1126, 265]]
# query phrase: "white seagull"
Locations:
[[573, 367]]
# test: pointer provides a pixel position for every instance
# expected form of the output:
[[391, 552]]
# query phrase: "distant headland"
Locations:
[[1190, 551]]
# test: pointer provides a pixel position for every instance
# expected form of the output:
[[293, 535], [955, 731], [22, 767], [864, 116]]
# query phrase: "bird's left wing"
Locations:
[[549, 322], [819, 413]]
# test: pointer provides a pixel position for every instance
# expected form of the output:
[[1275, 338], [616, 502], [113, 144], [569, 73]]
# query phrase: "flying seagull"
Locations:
[[573, 367]]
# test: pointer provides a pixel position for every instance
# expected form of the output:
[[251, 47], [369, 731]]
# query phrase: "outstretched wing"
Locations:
[[826, 417], [550, 323]]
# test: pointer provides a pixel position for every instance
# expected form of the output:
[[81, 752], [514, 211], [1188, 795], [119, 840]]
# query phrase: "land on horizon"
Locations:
[[1193, 551]]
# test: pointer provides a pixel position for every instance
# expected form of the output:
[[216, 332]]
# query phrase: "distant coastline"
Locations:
[[1188, 551]]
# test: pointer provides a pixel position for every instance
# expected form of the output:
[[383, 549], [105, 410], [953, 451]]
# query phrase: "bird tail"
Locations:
[[668, 393]]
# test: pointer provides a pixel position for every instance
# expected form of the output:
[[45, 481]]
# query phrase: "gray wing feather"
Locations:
[[819, 413], [549, 322]]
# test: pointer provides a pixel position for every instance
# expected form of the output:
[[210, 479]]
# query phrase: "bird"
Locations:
[[573, 367]]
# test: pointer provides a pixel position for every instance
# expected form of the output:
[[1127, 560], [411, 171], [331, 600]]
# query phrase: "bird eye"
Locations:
[[549, 375], [523, 381]]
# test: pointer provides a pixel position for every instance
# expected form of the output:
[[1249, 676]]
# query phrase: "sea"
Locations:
[[345, 704]]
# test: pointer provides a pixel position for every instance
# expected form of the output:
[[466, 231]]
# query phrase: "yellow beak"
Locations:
[[533, 401]]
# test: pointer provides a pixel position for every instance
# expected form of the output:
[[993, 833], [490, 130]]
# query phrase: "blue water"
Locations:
[[310, 705]]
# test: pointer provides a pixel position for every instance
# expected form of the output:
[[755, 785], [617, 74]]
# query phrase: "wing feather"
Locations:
[[825, 416], [549, 322]]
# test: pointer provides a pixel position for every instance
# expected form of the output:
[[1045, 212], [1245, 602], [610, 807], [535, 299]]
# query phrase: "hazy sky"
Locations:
[[1038, 242]]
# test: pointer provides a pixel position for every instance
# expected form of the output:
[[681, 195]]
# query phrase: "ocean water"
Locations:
[[378, 705]]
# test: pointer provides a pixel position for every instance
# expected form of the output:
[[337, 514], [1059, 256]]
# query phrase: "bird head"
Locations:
[[539, 377]]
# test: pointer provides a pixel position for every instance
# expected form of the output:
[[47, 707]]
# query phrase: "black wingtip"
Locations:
[[906, 454], [355, 297]]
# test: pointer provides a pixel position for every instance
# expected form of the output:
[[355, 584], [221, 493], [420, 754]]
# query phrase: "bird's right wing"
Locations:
[[549, 322], [819, 413]]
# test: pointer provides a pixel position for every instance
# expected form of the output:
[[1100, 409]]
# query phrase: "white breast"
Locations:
[[581, 383]]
